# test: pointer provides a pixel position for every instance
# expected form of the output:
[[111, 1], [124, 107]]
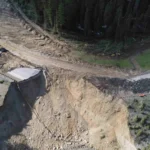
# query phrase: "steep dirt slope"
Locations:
[[75, 113], [42, 129], [107, 117]]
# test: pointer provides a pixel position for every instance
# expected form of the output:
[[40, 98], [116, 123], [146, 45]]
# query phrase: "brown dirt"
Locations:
[[73, 115]]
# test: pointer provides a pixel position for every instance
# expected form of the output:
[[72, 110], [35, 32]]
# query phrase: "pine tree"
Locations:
[[117, 19], [60, 17]]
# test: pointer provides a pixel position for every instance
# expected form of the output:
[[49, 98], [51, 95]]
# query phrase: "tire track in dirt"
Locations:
[[37, 59]]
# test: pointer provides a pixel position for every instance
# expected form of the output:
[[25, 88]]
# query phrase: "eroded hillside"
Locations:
[[63, 110]]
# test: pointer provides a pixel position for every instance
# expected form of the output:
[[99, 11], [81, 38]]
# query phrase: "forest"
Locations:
[[117, 19]]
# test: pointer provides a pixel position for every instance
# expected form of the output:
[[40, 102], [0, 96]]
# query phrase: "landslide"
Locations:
[[65, 110], [82, 113], [75, 114]]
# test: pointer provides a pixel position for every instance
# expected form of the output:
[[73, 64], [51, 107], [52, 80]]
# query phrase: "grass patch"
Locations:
[[121, 63], [144, 60], [110, 47]]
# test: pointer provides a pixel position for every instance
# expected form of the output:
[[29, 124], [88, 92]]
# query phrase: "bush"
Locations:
[[144, 119], [139, 133], [1, 81]]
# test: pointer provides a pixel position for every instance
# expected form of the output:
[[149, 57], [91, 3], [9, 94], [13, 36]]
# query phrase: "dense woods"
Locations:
[[102, 18]]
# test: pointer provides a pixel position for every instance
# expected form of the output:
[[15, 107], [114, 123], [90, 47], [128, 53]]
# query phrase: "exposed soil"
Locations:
[[74, 112], [43, 122]]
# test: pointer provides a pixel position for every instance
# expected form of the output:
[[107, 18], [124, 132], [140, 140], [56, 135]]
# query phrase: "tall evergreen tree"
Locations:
[[108, 18]]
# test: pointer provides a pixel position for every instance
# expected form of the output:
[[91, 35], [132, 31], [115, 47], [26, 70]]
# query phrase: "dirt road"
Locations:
[[37, 59]]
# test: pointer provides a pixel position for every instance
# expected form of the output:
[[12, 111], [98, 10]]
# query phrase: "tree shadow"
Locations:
[[15, 146], [18, 104]]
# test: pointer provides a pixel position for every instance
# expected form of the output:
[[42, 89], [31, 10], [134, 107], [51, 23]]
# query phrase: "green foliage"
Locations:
[[121, 63], [109, 47], [136, 119], [139, 119], [147, 148], [144, 59], [110, 20], [139, 133], [48, 11], [31, 12], [144, 119], [120, 18], [142, 106]]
